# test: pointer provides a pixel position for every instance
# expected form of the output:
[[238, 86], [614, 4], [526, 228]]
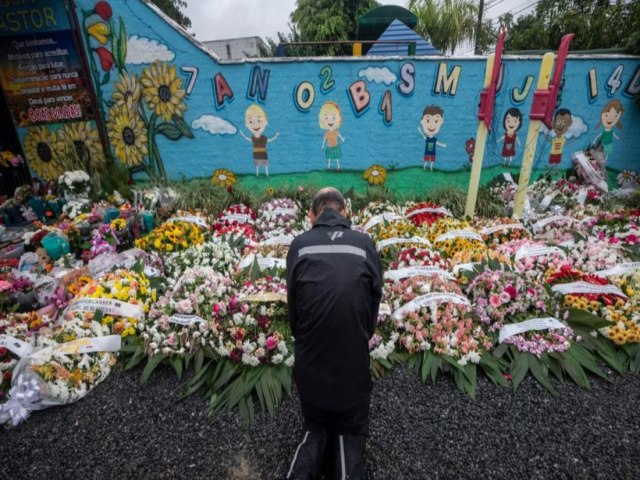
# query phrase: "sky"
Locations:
[[222, 19]]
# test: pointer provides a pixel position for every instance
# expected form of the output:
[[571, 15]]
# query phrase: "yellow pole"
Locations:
[[357, 49], [532, 139], [478, 152]]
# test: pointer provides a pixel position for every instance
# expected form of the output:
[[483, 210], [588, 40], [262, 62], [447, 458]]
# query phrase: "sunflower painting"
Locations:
[[41, 149], [127, 91], [142, 105], [375, 175], [163, 90], [223, 177], [84, 140], [128, 135]]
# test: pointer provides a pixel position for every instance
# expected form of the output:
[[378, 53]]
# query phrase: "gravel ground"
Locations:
[[121, 430]]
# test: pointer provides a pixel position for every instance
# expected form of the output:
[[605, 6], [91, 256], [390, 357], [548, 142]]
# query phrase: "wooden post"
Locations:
[[478, 152], [544, 78]]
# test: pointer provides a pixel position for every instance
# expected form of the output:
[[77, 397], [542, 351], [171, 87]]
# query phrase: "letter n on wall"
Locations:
[[258, 84]]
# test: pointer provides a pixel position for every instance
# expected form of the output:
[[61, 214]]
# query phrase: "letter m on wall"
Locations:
[[446, 81]]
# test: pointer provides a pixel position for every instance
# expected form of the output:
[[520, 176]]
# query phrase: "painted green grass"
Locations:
[[406, 182]]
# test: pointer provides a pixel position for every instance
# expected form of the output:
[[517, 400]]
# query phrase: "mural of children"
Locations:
[[255, 119], [562, 121], [511, 122], [330, 120], [609, 118], [432, 120]]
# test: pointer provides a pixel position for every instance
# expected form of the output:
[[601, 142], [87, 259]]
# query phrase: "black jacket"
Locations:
[[334, 282]]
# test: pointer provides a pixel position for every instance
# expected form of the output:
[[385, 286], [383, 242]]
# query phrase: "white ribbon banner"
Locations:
[[385, 217], [528, 325], [429, 300], [263, 262], [524, 252], [500, 228], [410, 272], [399, 240], [555, 218], [619, 269], [185, 319], [108, 306], [465, 266], [279, 240], [594, 176], [280, 211], [237, 217], [587, 288], [440, 210], [15, 345], [546, 201], [459, 234], [582, 196], [191, 219], [109, 343]]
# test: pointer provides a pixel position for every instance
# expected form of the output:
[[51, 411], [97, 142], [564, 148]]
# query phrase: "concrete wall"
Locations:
[[193, 108]]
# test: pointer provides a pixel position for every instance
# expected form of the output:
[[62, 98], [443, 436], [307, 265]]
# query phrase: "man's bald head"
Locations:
[[328, 197]]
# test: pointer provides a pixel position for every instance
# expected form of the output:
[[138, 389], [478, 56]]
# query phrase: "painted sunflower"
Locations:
[[127, 134], [127, 91], [84, 139], [375, 175], [41, 149], [223, 177], [163, 91]]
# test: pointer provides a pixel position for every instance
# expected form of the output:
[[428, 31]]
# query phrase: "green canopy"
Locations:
[[372, 24]]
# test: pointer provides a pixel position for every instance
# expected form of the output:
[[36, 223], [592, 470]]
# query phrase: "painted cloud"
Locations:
[[145, 50], [577, 129], [214, 125], [378, 75]]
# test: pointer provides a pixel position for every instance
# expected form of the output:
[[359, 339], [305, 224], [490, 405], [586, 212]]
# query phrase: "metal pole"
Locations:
[[479, 27]]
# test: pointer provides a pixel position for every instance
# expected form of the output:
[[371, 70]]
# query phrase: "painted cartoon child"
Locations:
[[562, 121], [432, 120], [330, 119], [511, 122], [255, 119], [609, 118]]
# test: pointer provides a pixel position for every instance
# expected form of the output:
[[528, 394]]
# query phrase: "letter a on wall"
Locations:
[[222, 90]]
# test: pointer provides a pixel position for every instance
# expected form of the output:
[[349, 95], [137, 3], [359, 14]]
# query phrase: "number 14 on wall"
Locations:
[[613, 84]]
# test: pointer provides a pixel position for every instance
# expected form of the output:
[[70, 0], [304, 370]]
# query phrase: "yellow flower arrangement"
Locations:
[[625, 330], [223, 178], [171, 237], [118, 224], [126, 286], [375, 175], [445, 225], [162, 90], [42, 151], [128, 134]]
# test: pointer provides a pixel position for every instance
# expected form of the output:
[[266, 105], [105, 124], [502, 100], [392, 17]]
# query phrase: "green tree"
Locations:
[[448, 23], [595, 23], [173, 9], [324, 20]]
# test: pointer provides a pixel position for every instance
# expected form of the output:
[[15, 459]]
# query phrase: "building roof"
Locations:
[[398, 31]]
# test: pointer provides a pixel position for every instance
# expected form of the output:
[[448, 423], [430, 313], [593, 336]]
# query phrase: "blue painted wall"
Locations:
[[217, 142]]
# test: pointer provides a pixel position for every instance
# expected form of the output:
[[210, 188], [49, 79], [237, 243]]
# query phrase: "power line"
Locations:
[[493, 4]]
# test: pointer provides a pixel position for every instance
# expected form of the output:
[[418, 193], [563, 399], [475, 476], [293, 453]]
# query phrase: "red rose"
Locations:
[[106, 58], [230, 189], [103, 9], [7, 375], [3, 351]]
